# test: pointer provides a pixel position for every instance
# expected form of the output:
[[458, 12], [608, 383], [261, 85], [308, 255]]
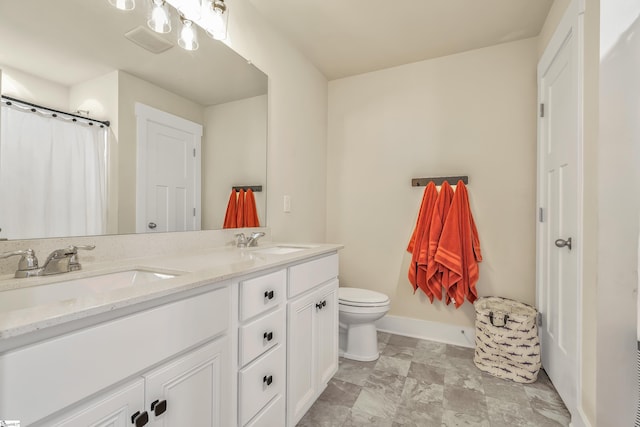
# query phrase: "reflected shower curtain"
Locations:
[[52, 176]]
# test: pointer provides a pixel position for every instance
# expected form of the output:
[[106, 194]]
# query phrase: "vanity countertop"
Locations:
[[192, 271]]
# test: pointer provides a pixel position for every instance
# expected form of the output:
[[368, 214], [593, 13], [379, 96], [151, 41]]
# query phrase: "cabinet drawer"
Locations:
[[271, 416], [260, 382], [305, 276], [260, 294], [260, 335]]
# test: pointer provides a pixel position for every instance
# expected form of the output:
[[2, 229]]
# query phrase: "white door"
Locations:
[[327, 325], [190, 391], [168, 172], [559, 226]]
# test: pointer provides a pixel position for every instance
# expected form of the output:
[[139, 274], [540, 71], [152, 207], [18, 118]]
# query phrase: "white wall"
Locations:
[[234, 150], [296, 155], [619, 207], [30, 88], [468, 114]]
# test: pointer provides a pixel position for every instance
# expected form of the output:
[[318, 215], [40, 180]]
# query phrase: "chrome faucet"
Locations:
[[253, 239], [242, 241], [58, 261]]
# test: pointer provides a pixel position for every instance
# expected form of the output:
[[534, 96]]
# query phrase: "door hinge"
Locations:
[[194, 211], [541, 214], [539, 319], [194, 152], [541, 110]]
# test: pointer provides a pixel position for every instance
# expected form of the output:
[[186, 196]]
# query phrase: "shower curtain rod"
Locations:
[[29, 104]]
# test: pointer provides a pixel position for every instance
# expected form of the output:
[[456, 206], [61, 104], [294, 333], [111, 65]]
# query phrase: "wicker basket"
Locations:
[[507, 342]]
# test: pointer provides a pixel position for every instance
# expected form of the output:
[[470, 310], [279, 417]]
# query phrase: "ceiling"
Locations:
[[348, 37], [72, 41]]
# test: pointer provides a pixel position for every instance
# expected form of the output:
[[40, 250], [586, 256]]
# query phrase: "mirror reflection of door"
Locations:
[[168, 172]]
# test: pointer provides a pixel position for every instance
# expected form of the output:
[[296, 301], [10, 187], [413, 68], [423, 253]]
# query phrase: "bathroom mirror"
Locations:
[[79, 55]]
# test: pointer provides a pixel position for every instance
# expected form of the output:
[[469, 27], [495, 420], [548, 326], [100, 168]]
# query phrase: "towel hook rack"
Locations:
[[422, 182], [254, 188]]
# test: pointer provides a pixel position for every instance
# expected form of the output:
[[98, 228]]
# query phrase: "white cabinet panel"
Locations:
[[261, 334], [112, 410], [327, 327], [271, 416], [262, 293], [260, 382], [304, 277]]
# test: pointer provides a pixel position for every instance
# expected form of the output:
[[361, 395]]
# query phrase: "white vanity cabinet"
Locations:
[[312, 333], [177, 352], [261, 350]]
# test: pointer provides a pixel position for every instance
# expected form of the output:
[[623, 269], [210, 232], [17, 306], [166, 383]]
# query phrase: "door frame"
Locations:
[[572, 23], [145, 114]]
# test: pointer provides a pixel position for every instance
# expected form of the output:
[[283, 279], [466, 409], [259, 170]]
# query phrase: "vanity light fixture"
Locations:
[[123, 4], [190, 9], [188, 36], [159, 19], [215, 20]]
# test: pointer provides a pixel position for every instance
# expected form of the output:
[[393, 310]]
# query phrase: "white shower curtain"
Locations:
[[52, 176]]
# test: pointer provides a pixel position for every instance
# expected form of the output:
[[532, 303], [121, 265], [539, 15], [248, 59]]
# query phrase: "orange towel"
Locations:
[[419, 240], [434, 271], [459, 250], [230, 219], [250, 211], [240, 210]]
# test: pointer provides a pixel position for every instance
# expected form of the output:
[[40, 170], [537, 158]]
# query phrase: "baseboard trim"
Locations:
[[428, 330]]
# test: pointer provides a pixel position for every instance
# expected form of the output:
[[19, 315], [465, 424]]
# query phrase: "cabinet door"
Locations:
[[192, 390], [301, 357], [110, 410], [327, 334]]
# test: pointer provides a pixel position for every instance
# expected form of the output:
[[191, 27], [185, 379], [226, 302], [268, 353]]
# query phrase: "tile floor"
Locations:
[[423, 384]]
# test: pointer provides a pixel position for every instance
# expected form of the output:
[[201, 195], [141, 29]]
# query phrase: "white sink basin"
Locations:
[[281, 250], [32, 296]]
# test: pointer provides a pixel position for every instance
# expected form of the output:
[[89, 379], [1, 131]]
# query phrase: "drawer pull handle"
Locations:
[[319, 305], [139, 419], [159, 407], [268, 295], [267, 380], [268, 336], [324, 303]]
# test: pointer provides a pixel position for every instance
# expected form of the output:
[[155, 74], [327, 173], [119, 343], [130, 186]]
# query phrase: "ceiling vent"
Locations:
[[148, 40]]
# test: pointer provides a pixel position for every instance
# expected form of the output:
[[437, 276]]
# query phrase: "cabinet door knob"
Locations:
[[140, 419], [159, 407], [319, 305], [324, 303], [268, 295], [267, 380], [268, 336]]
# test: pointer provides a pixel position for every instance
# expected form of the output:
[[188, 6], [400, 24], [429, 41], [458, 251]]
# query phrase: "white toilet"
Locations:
[[358, 311]]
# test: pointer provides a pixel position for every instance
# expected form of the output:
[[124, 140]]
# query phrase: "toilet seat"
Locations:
[[356, 297]]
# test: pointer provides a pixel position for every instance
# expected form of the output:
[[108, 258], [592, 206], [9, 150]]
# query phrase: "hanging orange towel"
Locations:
[[250, 211], [434, 271], [230, 218], [240, 210], [459, 250], [420, 238]]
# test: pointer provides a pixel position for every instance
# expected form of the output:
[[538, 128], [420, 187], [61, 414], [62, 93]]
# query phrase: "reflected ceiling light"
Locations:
[[188, 36], [215, 21], [123, 4], [190, 9], [159, 19]]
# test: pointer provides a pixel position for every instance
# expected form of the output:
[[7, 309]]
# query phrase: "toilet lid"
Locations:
[[361, 296]]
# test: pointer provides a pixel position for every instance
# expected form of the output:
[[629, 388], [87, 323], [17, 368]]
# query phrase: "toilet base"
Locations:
[[359, 342]]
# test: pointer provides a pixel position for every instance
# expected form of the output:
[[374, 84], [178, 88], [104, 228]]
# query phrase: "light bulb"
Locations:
[[188, 38], [216, 20], [123, 4], [159, 20]]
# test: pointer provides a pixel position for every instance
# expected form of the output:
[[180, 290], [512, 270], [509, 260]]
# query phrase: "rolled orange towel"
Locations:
[[230, 218], [420, 238], [250, 211], [240, 210], [459, 250]]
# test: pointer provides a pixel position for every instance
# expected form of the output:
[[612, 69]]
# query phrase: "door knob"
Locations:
[[152, 225], [561, 243], [140, 419], [159, 407]]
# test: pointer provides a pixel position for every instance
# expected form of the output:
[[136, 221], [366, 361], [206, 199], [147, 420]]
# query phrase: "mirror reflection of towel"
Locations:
[[240, 210], [230, 218], [250, 211]]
